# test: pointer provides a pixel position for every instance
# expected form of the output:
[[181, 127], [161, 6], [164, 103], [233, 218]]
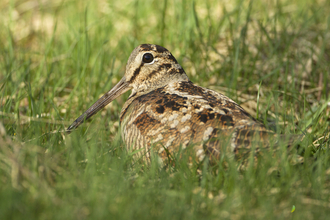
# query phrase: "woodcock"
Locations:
[[166, 112]]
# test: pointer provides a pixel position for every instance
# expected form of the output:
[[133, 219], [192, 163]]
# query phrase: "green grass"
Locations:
[[58, 57]]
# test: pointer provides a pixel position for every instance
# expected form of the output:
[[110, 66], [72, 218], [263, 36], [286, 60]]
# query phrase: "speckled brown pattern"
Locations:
[[167, 112]]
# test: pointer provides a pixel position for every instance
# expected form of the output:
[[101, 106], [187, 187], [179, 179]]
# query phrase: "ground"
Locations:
[[58, 57]]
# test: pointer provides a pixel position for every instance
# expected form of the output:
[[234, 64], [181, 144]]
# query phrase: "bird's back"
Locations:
[[181, 114]]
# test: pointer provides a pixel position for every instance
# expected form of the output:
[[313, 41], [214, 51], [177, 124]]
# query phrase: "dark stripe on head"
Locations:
[[136, 72], [175, 71], [181, 70], [168, 65], [172, 71], [171, 57], [160, 49], [154, 72], [146, 47]]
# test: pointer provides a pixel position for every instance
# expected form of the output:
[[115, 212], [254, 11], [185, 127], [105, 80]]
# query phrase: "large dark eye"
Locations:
[[147, 58]]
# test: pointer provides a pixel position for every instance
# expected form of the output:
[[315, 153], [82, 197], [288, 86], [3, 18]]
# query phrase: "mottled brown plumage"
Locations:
[[166, 111]]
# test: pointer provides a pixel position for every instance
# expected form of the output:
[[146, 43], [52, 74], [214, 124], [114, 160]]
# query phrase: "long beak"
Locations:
[[120, 88]]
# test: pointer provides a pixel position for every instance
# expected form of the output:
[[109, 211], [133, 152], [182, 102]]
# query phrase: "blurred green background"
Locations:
[[58, 57]]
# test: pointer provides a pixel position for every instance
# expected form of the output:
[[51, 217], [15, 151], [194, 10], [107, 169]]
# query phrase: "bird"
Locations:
[[166, 113]]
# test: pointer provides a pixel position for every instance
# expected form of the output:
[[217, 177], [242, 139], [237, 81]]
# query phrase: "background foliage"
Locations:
[[58, 56]]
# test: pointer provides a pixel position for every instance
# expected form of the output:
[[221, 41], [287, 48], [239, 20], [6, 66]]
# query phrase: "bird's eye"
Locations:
[[147, 58]]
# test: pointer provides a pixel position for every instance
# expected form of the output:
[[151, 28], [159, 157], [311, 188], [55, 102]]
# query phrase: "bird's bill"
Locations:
[[121, 87]]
